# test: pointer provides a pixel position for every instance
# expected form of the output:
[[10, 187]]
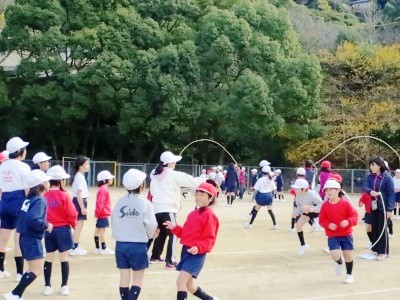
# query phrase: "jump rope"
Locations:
[[247, 232]]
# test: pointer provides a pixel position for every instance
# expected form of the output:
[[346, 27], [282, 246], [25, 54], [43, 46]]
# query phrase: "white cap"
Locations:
[[57, 173], [5, 153], [168, 157], [300, 184], [133, 179], [332, 184], [40, 157], [219, 168], [264, 163], [36, 177], [243, 169], [14, 144], [266, 169], [104, 175], [225, 171], [397, 171], [203, 171], [272, 174], [278, 171], [301, 171], [214, 168], [254, 171]]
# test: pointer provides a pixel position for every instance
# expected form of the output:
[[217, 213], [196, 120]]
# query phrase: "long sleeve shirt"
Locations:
[[200, 230], [336, 213], [103, 203], [381, 183], [32, 218], [323, 178], [133, 219], [311, 197], [60, 209]]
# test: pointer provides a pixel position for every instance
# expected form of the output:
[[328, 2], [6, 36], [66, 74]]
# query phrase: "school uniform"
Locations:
[[62, 214], [231, 181], [311, 197], [310, 177], [264, 186], [323, 178], [80, 183], [31, 225], [12, 185], [133, 223], [279, 183], [200, 230], [103, 207]]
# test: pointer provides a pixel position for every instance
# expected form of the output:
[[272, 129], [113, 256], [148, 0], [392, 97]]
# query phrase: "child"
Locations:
[[300, 173], [231, 183], [263, 190], [310, 173], [102, 212], [365, 200], [13, 194], [324, 176], [308, 205], [198, 236], [41, 161], [133, 223], [338, 217], [396, 183], [31, 226], [80, 193], [62, 214], [253, 178], [279, 185]]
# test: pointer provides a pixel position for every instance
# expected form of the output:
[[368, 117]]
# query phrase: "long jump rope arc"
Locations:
[[277, 252]]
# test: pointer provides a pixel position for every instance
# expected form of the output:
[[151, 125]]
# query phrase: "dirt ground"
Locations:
[[256, 263]]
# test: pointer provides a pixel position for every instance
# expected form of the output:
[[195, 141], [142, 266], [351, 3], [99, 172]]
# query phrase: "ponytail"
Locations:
[[159, 168]]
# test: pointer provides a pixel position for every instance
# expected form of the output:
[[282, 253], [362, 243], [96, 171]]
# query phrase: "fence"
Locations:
[[353, 179]]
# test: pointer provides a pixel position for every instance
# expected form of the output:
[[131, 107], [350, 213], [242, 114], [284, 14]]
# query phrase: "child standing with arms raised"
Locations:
[[102, 212], [198, 236], [338, 217]]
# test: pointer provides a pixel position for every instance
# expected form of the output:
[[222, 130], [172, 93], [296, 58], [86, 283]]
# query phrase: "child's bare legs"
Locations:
[[124, 283], [185, 283]]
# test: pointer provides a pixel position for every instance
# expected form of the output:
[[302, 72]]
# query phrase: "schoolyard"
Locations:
[[256, 263]]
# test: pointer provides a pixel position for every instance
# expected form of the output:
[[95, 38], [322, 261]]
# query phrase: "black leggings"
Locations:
[[378, 225]]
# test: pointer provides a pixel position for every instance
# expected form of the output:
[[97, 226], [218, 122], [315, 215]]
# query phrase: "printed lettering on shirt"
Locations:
[[25, 205], [53, 203], [128, 212], [7, 175]]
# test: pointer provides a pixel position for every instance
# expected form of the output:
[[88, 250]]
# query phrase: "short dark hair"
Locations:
[[378, 160], [36, 190], [56, 183], [308, 163], [17, 153]]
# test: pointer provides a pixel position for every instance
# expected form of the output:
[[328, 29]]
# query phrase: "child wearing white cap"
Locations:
[[102, 211], [133, 223], [165, 188], [62, 214], [13, 192], [41, 161], [338, 217], [32, 225], [396, 184], [279, 185]]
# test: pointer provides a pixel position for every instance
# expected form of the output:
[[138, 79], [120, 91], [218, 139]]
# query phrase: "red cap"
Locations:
[[337, 177], [2, 157], [326, 164], [207, 188]]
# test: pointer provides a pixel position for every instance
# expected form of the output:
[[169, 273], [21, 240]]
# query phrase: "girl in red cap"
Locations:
[[324, 176], [198, 236]]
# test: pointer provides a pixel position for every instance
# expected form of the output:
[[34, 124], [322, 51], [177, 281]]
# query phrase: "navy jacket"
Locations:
[[279, 182], [32, 217], [231, 177], [381, 183], [254, 180]]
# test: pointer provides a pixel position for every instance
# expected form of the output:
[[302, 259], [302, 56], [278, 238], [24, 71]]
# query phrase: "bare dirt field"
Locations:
[[256, 263]]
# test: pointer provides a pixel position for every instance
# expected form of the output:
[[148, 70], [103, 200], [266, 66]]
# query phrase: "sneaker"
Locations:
[[64, 291], [368, 246], [382, 257], [48, 290], [292, 230], [77, 251], [248, 225], [4, 274], [338, 269], [156, 261], [214, 298], [391, 236], [274, 227], [369, 256], [170, 266], [11, 296], [18, 277], [249, 217], [302, 249], [97, 251], [107, 251], [348, 279], [326, 250]]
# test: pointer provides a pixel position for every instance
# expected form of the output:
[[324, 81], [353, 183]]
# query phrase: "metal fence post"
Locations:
[[352, 181]]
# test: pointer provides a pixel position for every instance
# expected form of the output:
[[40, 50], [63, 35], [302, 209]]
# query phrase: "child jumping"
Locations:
[[338, 217], [198, 236]]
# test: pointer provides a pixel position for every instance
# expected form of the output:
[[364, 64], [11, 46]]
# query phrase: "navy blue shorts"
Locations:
[[60, 239], [80, 217], [31, 247], [397, 197], [368, 218], [279, 188], [102, 223], [129, 255], [10, 206], [191, 263], [341, 242], [264, 199], [231, 188]]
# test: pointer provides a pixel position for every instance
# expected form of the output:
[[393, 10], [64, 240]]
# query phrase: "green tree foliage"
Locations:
[[125, 79]]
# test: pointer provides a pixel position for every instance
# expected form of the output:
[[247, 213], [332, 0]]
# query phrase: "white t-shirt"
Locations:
[[80, 184], [396, 183], [265, 185], [12, 173]]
